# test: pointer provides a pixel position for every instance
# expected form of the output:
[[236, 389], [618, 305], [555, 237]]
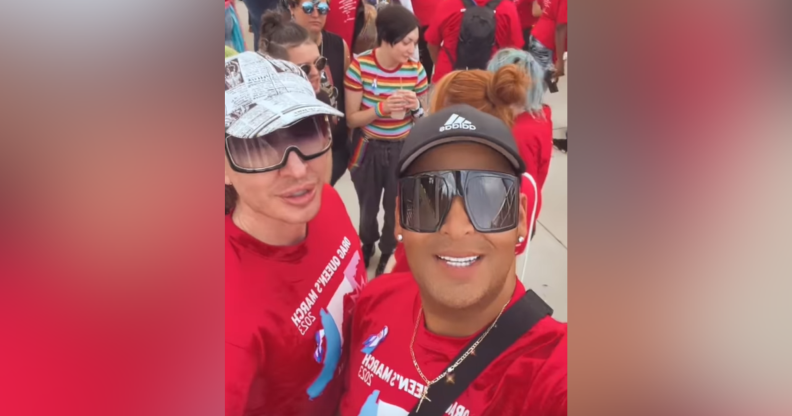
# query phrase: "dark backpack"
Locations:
[[476, 36]]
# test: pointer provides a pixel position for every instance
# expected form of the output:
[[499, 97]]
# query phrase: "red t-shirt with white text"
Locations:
[[288, 312], [446, 24], [554, 12], [528, 379]]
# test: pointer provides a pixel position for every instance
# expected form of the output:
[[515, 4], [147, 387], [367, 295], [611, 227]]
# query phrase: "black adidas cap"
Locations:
[[455, 124]]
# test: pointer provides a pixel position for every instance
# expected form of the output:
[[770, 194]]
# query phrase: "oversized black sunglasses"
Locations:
[[491, 200]]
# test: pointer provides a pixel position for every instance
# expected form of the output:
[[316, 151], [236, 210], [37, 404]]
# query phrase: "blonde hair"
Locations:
[[493, 93]]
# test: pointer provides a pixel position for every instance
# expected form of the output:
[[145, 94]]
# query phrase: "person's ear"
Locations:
[[522, 226]]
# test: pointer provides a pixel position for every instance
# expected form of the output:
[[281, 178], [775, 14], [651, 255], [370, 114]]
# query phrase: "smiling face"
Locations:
[[458, 267], [307, 54]]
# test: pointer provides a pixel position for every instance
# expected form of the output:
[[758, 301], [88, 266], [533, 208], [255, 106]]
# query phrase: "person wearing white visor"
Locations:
[[293, 266]]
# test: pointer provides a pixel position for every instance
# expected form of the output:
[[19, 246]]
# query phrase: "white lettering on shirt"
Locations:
[[372, 368], [302, 316]]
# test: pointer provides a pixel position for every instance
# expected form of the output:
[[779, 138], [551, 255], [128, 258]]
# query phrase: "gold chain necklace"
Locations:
[[448, 373]]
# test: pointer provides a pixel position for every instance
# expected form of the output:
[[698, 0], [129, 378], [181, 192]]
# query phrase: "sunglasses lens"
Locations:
[[308, 7], [424, 201], [323, 8], [306, 68], [492, 202], [309, 136], [321, 63]]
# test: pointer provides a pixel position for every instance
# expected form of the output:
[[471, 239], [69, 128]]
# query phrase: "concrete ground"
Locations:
[[546, 263]]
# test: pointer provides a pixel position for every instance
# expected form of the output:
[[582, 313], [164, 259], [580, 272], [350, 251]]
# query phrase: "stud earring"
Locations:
[[399, 238], [520, 240]]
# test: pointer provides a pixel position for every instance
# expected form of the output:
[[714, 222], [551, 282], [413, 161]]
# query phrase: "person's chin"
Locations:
[[455, 296]]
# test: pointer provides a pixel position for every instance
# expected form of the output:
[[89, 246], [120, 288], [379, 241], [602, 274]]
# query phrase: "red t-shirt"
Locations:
[[534, 138], [525, 10], [286, 313], [528, 379], [447, 21], [553, 12], [424, 10]]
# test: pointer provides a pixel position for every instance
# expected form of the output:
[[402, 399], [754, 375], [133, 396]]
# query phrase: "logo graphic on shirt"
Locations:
[[455, 122], [332, 335], [370, 344], [328, 336]]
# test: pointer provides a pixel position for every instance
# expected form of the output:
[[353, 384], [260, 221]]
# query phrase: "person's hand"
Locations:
[[411, 100], [394, 103], [560, 70]]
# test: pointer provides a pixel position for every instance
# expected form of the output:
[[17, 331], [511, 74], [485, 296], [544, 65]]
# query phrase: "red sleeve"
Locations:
[[561, 19], [240, 368], [511, 34], [434, 34], [528, 147], [545, 150]]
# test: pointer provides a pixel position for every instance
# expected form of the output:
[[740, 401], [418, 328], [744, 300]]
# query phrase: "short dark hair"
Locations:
[[394, 23], [278, 35]]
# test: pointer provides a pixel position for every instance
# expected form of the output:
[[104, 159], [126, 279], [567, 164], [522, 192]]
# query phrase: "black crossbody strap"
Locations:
[[513, 324]]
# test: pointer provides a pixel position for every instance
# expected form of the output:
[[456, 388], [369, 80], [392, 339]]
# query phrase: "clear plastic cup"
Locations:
[[398, 115]]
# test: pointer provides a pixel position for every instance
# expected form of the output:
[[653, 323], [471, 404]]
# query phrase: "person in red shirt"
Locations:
[[293, 267], [442, 36], [533, 124], [525, 8], [505, 91], [460, 217], [549, 37], [424, 10]]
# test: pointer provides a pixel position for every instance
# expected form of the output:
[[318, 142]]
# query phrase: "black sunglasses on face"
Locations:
[[491, 200], [309, 6], [320, 63]]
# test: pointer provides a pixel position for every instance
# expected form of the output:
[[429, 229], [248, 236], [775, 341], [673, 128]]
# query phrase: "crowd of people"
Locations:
[[436, 109]]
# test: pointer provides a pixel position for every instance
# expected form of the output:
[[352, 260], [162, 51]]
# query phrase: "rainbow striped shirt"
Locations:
[[378, 84]]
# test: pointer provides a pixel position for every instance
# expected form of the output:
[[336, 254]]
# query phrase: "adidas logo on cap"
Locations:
[[455, 122]]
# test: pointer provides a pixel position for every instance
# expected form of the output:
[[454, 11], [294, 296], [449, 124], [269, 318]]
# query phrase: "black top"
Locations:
[[333, 49]]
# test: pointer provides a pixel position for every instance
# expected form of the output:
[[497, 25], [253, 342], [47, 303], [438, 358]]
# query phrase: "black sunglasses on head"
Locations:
[[491, 200]]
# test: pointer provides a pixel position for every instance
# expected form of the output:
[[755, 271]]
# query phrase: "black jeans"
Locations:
[[375, 180]]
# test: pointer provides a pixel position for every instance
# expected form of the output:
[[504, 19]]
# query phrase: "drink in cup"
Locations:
[[399, 115]]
